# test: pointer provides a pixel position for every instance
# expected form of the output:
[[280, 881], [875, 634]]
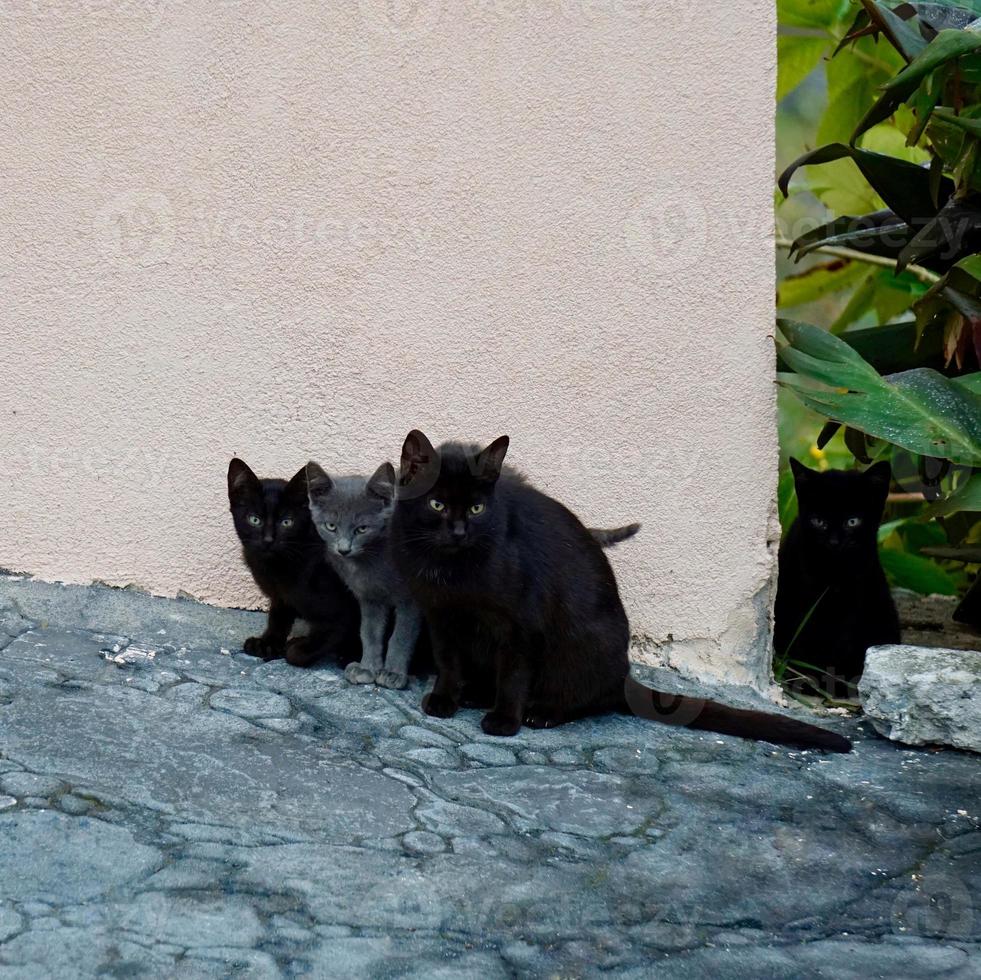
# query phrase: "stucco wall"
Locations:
[[291, 230]]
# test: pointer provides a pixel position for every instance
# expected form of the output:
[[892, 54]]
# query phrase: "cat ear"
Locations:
[[880, 476], [800, 471], [319, 483], [491, 459], [418, 456], [297, 486], [241, 480], [382, 482]]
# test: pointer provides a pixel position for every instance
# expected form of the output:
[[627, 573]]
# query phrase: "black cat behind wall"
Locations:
[[831, 579], [523, 607], [283, 551]]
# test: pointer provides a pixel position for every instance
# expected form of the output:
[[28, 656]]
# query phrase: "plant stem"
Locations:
[[924, 275]]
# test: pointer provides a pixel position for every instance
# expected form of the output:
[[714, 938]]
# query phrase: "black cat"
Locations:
[[831, 580], [286, 557], [523, 607]]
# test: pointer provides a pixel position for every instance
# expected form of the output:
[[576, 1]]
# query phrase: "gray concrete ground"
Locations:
[[197, 813]]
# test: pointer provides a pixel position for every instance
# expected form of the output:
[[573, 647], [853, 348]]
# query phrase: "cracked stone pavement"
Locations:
[[198, 813]]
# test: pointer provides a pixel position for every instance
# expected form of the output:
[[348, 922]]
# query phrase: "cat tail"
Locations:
[[710, 716], [607, 537]]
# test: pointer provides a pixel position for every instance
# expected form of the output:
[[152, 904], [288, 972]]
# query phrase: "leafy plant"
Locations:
[[883, 217]]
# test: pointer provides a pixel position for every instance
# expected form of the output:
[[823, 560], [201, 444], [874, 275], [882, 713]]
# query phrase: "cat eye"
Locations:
[[853, 522], [254, 519], [363, 529], [818, 522], [476, 509], [437, 505], [327, 526], [287, 522]]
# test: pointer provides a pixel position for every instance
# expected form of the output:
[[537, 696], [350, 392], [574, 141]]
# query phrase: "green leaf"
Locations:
[[819, 281], [967, 123], [952, 233], [894, 348], [842, 189], [914, 572], [815, 14], [797, 56], [906, 39], [860, 302], [895, 295], [891, 141], [923, 103], [786, 499], [966, 497], [904, 186], [920, 410], [969, 554], [880, 233], [947, 45], [852, 85]]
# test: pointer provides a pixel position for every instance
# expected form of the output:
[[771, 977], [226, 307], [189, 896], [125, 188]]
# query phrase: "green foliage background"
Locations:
[[892, 84]]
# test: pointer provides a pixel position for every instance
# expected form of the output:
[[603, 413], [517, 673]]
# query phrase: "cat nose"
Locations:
[[344, 547], [459, 529]]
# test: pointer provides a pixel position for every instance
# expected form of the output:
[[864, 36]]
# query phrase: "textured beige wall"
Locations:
[[288, 230]]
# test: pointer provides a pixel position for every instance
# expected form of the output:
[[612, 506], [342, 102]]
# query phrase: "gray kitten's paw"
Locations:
[[392, 679], [356, 674]]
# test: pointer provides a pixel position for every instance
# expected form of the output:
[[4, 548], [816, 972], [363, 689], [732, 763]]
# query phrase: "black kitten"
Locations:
[[831, 577], [523, 607], [286, 557]]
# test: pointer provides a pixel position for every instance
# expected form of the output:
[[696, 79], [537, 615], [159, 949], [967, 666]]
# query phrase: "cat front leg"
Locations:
[[401, 646], [272, 643], [444, 699], [374, 619], [513, 684]]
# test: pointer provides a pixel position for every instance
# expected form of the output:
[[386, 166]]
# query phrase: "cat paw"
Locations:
[[497, 723], [439, 705], [392, 679], [301, 653], [356, 674], [538, 719], [263, 647]]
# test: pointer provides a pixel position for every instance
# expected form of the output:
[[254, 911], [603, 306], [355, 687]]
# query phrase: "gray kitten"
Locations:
[[352, 514]]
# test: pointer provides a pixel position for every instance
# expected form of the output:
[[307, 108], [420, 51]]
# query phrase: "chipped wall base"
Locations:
[[739, 659], [741, 655]]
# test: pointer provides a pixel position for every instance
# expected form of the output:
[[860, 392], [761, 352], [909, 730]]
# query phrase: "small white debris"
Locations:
[[161, 632], [225, 653], [962, 813], [129, 657]]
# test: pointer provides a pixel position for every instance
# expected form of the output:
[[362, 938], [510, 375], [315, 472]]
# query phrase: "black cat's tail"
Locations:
[[607, 537], [710, 716]]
